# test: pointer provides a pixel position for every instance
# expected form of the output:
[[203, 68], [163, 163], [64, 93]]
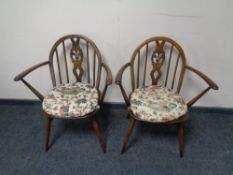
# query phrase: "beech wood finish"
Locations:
[[78, 53], [167, 58]]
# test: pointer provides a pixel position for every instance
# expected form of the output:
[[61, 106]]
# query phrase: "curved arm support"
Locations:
[[27, 71], [119, 82], [108, 81], [212, 85], [36, 92], [204, 77], [120, 73], [109, 74]]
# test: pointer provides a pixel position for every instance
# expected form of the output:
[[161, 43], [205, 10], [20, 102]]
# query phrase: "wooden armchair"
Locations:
[[157, 100], [79, 86]]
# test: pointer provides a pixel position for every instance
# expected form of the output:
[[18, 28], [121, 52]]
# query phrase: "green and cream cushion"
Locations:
[[157, 104], [71, 100]]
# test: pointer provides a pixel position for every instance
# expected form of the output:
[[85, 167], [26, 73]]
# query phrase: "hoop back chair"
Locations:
[[156, 99], [80, 80]]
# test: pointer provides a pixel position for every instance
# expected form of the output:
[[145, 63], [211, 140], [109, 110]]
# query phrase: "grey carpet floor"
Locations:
[[153, 149]]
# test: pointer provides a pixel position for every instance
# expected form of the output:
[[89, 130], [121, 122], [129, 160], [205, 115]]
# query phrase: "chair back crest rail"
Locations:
[[75, 58], [161, 58]]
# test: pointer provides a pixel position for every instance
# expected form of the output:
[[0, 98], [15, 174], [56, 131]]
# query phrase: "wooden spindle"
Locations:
[[66, 66], [145, 66], [174, 75], [58, 66], [52, 74], [88, 62], [168, 66], [98, 75], [138, 75], [94, 68], [132, 77]]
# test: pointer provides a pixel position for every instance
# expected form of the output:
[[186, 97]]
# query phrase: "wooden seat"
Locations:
[[79, 78], [158, 62]]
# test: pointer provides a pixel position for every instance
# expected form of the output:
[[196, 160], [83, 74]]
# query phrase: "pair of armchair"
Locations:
[[80, 80]]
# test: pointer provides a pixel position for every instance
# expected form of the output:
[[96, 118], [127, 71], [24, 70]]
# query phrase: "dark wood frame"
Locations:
[[180, 121], [96, 82]]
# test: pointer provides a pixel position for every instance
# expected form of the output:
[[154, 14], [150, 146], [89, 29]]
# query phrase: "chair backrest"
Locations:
[[162, 59], [75, 58]]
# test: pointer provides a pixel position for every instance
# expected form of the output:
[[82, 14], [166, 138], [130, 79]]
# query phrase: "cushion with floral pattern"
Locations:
[[157, 104], [71, 100]]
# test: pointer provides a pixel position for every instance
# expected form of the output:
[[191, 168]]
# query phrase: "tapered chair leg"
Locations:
[[181, 138], [129, 132], [47, 132], [97, 132]]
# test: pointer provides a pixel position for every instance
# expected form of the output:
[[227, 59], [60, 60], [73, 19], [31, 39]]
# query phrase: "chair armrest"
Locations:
[[118, 81], [120, 73], [107, 83], [27, 71], [109, 74], [212, 84]]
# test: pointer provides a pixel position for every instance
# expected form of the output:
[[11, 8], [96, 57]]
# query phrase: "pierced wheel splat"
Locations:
[[76, 55], [157, 59]]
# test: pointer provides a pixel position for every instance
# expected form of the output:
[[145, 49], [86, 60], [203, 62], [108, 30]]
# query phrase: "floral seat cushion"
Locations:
[[71, 100], [157, 104]]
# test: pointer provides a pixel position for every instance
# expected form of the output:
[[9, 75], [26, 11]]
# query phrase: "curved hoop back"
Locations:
[[163, 59], [75, 58]]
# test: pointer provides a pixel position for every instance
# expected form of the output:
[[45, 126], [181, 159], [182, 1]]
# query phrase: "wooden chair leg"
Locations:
[[181, 138], [97, 132], [47, 132], [129, 132]]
